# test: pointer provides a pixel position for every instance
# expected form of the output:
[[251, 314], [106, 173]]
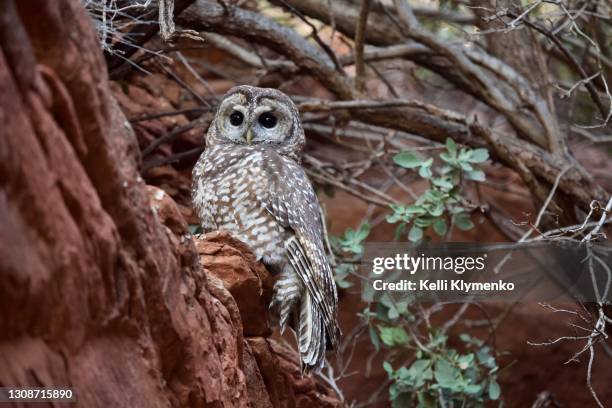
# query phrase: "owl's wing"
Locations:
[[293, 203]]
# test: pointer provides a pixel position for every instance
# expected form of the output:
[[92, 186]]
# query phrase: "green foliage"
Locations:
[[351, 241], [349, 244], [440, 375], [442, 202], [436, 374], [394, 336], [341, 274]]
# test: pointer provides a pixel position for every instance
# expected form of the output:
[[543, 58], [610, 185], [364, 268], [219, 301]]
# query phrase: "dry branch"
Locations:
[[140, 33], [359, 44], [426, 120]]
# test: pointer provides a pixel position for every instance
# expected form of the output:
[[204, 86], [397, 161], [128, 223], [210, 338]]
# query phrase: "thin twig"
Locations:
[[360, 33]]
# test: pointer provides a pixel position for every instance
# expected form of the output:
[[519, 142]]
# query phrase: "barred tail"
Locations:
[[287, 292], [311, 335], [293, 304]]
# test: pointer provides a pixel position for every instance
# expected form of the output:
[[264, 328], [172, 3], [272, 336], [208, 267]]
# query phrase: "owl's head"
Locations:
[[258, 116]]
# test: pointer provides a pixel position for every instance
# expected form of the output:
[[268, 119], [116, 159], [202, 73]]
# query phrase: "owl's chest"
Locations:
[[232, 201]]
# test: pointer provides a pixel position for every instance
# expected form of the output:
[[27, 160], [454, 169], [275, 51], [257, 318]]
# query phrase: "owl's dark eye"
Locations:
[[236, 118], [267, 120]]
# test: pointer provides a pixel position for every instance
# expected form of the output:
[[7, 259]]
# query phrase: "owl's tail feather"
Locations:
[[311, 335], [306, 320], [287, 291]]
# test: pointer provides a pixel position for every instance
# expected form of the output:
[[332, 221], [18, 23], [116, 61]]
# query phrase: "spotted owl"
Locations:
[[249, 182]]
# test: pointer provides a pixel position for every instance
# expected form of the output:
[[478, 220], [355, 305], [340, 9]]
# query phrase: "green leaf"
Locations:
[[368, 293], [388, 368], [355, 248], [344, 284], [393, 313], [415, 234], [456, 210], [494, 390], [418, 368], [479, 155], [419, 372], [446, 375], [423, 222], [472, 388], [363, 232], [451, 147], [393, 218], [438, 339], [465, 361], [434, 195], [352, 240], [349, 234], [437, 209], [394, 391], [440, 227], [403, 375], [407, 160], [476, 175], [463, 221], [425, 172], [447, 157], [415, 209], [394, 336], [386, 301], [374, 338], [465, 166], [485, 358], [464, 154], [400, 231], [402, 306], [427, 163], [442, 183], [446, 170]]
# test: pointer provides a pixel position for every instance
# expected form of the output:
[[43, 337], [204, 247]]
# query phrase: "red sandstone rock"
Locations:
[[247, 280], [101, 287]]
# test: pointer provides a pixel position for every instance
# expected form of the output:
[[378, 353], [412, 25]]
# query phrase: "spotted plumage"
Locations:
[[249, 181]]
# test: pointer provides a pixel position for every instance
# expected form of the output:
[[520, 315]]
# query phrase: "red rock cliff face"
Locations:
[[101, 286]]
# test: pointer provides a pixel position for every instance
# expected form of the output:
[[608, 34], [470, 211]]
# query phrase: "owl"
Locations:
[[249, 182]]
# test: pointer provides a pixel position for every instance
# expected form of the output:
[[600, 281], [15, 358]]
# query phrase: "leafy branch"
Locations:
[[443, 200]]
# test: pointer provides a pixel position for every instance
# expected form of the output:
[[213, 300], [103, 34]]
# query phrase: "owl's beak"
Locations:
[[249, 136]]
